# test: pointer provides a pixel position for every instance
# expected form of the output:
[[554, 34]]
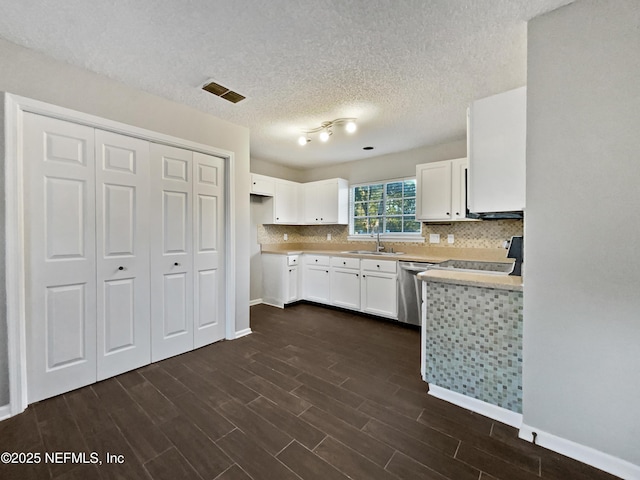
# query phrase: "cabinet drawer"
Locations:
[[387, 266], [322, 260], [345, 262], [292, 260]]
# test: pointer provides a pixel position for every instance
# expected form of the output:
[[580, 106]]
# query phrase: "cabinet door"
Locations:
[[433, 191], [380, 294], [329, 201], [60, 286], [496, 148], [286, 202], [208, 250], [122, 244], [316, 284], [171, 251], [291, 283], [345, 288], [261, 185], [313, 203], [458, 188]]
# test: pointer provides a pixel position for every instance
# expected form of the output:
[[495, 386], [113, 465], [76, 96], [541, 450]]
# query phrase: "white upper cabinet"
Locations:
[[262, 185], [313, 203], [286, 202], [441, 191], [459, 168], [496, 145], [326, 201], [433, 191]]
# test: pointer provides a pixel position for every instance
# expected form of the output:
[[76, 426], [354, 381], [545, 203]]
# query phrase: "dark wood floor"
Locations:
[[313, 393]]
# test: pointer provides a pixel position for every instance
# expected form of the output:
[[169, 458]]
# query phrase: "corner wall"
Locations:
[[30, 74], [581, 296]]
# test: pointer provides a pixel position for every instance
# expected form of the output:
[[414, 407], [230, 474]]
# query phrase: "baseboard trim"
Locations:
[[257, 301], [243, 333], [483, 408], [582, 453], [272, 304], [5, 412]]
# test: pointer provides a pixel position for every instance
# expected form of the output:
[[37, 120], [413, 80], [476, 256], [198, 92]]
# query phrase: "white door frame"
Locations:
[[14, 107]]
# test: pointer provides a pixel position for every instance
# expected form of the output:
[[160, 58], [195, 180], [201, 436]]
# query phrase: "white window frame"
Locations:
[[413, 237]]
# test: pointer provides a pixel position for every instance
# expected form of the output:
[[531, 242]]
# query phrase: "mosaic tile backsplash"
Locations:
[[485, 234], [474, 342]]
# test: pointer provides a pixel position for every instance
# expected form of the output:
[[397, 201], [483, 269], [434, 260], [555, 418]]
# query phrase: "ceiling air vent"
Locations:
[[222, 92]]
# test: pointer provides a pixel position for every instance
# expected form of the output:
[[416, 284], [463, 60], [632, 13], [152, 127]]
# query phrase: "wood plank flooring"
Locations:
[[313, 393]]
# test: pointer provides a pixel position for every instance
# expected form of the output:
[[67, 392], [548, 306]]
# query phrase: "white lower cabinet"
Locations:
[[366, 285], [379, 288], [124, 243], [315, 278], [345, 282], [291, 283], [280, 279]]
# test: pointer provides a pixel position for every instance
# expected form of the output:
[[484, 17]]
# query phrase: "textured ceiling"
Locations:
[[407, 69]]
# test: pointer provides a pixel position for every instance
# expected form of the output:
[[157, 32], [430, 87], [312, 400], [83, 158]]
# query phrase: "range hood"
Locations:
[[517, 215]]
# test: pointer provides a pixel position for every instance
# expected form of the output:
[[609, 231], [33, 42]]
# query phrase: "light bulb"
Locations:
[[302, 141], [351, 126], [324, 136]]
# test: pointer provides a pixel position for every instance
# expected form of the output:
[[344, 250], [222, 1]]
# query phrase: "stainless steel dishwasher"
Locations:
[[410, 291]]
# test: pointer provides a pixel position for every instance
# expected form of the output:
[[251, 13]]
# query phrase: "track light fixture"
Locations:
[[325, 130]]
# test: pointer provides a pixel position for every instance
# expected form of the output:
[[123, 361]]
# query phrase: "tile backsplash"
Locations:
[[483, 234]]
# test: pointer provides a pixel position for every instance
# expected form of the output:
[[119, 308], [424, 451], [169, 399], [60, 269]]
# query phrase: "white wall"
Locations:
[[386, 167], [582, 229], [4, 362], [274, 170], [27, 73]]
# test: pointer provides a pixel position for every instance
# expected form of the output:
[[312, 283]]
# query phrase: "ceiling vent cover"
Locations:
[[222, 92]]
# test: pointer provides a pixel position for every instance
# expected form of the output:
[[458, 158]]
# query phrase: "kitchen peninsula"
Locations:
[[472, 341]]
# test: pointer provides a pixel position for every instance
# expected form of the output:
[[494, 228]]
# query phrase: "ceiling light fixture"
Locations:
[[326, 130]]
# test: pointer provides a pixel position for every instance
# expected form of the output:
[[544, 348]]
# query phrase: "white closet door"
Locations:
[[208, 232], [60, 230], [122, 239], [171, 248]]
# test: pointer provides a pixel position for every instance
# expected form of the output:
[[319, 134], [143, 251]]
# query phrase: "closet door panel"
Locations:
[[122, 237], [209, 211], [171, 247], [59, 184]]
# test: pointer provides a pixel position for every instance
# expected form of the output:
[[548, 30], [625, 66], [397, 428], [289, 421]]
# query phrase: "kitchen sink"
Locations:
[[370, 252], [491, 268]]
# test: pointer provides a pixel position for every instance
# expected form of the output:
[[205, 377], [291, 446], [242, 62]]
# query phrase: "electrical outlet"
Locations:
[[434, 238], [328, 237], [450, 238], [286, 237]]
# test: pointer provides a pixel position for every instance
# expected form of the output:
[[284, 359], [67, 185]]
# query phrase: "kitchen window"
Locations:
[[387, 207]]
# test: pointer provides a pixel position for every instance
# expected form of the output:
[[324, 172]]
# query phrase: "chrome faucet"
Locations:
[[379, 247]]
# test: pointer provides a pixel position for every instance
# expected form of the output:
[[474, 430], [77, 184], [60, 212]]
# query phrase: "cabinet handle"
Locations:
[[254, 183], [176, 264], [357, 275], [289, 270], [321, 219], [120, 267], [458, 213], [327, 271], [363, 276], [447, 214], [316, 260], [344, 263], [378, 266]]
